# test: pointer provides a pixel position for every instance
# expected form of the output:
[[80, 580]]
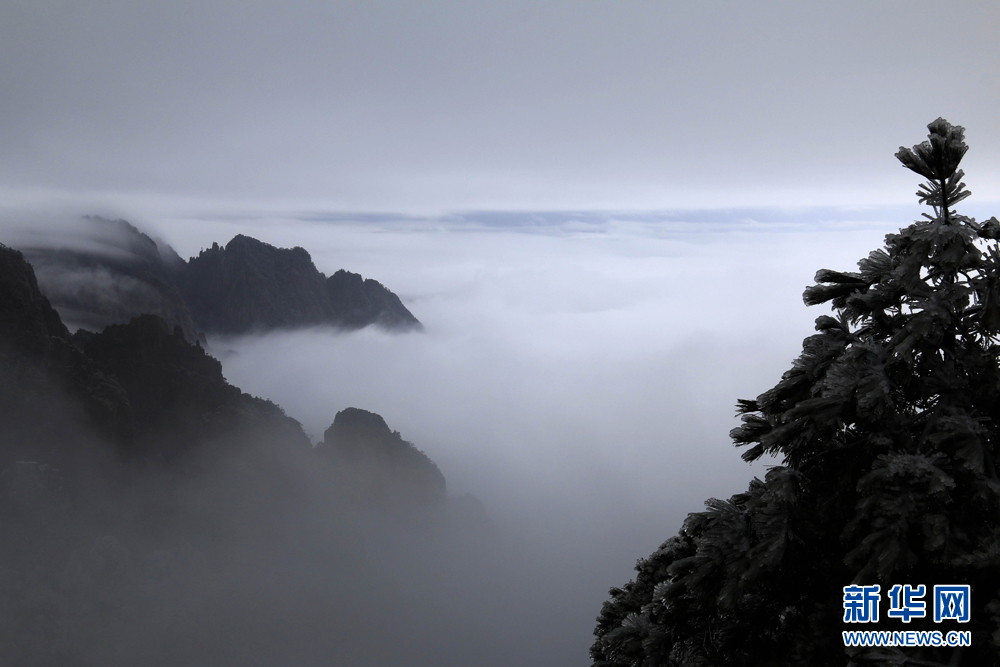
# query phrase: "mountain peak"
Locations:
[[394, 468], [26, 317], [354, 423], [107, 272]]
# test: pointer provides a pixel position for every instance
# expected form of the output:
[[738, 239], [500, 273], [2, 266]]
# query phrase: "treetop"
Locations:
[[938, 157]]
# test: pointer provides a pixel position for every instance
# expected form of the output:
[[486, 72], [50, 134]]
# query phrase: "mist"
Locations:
[[577, 372], [576, 375]]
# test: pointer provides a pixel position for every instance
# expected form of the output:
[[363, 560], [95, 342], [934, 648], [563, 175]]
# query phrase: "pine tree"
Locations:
[[888, 427]]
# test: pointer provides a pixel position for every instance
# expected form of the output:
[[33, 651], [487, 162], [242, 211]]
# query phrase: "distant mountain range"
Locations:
[[154, 514], [117, 273], [156, 399]]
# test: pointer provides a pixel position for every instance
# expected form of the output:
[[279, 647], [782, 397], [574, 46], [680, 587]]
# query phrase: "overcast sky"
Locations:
[[436, 106]]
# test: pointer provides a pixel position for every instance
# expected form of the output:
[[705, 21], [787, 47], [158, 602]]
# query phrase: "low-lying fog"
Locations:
[[577, 373], [578, 378]]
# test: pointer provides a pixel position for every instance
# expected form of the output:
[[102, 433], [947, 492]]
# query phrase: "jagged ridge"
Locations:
[[243, 287]]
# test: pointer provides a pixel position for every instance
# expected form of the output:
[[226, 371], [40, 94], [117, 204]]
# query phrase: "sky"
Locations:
[[604, 213], [441, 106]]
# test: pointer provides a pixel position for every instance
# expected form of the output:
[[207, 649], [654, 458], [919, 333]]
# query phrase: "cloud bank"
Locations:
[[579, 377], [577, 374]]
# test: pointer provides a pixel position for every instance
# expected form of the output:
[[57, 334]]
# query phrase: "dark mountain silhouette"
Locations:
[[177, 394], [362, 441], [47, 384], [156, 397], [155, 514], [138, 383], [115, 273], [249, 285], [28, 324], [358, 301]]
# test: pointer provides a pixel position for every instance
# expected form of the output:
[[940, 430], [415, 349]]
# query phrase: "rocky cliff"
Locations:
[[113, 272], [110, 273], [384, 467], [155, 514], [155, 397], [249, 285]]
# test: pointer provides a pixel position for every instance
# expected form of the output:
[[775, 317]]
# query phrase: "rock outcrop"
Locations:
[[152, 396], [384, 467], [28, 322], [179, 399], [49, 390], [114, 272], [139, 387], [154, 514], [358, 301], [118, 273], [249, 285]]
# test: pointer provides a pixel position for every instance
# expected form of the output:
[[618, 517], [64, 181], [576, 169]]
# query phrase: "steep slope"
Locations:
[[107, 272], [49, 390], [155, 398], [28, 323], [249, 285], [142, 388], [356, 302], [154, 514], [382, 465], [179, 398]]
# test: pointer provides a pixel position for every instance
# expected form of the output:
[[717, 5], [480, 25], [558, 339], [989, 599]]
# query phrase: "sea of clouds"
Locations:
[[577, 372]]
